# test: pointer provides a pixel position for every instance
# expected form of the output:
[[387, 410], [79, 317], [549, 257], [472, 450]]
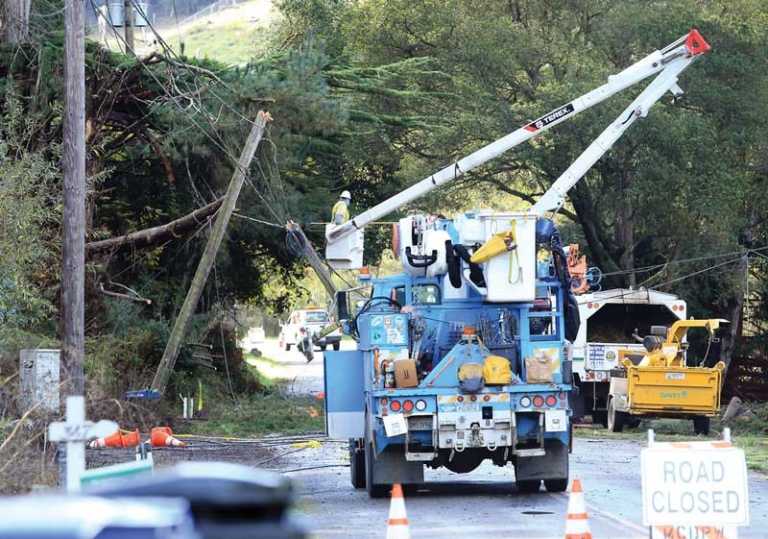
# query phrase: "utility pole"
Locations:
[[73, 241], [128, 26], [171, 352]]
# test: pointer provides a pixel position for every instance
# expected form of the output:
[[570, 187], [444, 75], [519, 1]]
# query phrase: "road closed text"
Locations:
[[694, 486], [705, 500]]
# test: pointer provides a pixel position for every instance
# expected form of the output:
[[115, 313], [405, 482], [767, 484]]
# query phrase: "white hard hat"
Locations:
[[345, 194]]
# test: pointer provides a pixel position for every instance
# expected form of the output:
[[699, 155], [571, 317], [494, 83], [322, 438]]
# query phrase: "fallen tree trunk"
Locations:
[[157, 234]]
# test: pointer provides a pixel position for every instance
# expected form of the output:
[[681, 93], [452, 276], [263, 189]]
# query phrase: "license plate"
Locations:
[[555, 421], [675, 376], [463, 407]]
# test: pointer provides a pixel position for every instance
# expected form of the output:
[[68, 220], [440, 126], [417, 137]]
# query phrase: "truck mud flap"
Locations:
[[552, 465], [344, 397], [390, 466]]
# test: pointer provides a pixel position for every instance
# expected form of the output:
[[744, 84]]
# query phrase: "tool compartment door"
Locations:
[[676, 390], [344, 394]]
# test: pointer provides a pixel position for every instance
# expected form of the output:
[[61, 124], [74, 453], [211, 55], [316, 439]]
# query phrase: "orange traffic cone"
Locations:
[[397, 525], [121, 438], [163, 437], [576, 524]]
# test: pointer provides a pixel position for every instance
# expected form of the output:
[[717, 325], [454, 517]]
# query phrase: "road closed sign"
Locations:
[[699, 484]]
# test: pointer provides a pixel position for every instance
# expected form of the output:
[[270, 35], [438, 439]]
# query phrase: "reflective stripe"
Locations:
[[397, 522]]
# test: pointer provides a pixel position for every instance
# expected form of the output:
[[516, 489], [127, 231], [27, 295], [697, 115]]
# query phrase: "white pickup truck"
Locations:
[[312, 321]]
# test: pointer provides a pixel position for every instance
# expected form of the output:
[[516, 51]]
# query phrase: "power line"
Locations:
[[219, 144], [170, 52], [267, 223], [624, 294], [684, 260]]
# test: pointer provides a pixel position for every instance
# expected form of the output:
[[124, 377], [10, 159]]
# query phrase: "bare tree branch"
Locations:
[[158, 234]]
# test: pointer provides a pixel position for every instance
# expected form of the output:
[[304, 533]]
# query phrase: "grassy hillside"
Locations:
[[233, 35]]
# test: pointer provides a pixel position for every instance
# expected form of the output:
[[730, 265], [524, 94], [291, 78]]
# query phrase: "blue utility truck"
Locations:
[[465, 356], [425, 324]]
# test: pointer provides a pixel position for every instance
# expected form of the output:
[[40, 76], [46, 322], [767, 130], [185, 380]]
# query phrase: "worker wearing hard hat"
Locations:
[[340, 211]]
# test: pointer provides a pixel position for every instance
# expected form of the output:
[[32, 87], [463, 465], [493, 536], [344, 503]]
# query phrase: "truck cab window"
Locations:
[[426, 294]]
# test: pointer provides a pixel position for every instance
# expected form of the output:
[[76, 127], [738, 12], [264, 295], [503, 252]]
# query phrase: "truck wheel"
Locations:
[[337, 346], [374, 491], [701, 425], [356, 464], [529, 486], [287, 347], [325, 347], [615, 418], [556, 485]]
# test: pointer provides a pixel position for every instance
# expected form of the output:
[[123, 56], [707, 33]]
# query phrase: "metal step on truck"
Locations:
[[465, 356]]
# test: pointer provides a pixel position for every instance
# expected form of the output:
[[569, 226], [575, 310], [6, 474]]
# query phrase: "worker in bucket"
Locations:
[[340, 211]]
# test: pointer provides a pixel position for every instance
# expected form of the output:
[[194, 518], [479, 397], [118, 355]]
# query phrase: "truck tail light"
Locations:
[[525, 402], [408, 406], [421, 405], [538, 401], [551, 400], [394, 406]]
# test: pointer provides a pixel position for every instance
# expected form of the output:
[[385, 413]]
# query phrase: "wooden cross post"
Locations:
[[75, 431]]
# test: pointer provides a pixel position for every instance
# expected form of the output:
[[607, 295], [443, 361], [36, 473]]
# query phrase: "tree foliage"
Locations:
[[372, 95]]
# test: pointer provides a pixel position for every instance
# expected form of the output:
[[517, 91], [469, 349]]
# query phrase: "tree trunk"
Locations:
[[599, 246], [625, 229], [734, 312], [16, 21], [735, 304]]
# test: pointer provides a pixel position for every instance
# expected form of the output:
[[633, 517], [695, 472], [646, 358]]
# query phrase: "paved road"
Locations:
[[483, 504]]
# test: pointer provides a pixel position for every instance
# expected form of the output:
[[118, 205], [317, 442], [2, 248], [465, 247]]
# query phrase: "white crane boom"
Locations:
[[685, 48], [666, 81]]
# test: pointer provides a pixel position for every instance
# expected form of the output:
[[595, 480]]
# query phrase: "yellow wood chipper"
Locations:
[[660, 382]]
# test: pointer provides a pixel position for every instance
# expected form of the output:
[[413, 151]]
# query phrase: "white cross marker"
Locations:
[[76, 431]]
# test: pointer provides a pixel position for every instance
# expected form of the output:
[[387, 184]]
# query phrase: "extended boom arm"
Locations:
[[680, 53], [666, 81]]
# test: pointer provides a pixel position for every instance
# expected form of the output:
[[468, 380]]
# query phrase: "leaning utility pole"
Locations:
[[171, 352], [73, 241]]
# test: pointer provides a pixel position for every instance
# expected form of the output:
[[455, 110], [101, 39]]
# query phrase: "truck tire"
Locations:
[[337, 346], [615, 418], [374, 491], [701, 425], [529, 486], [356, 464], [287, 347], [556, 485], [325, 347]]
